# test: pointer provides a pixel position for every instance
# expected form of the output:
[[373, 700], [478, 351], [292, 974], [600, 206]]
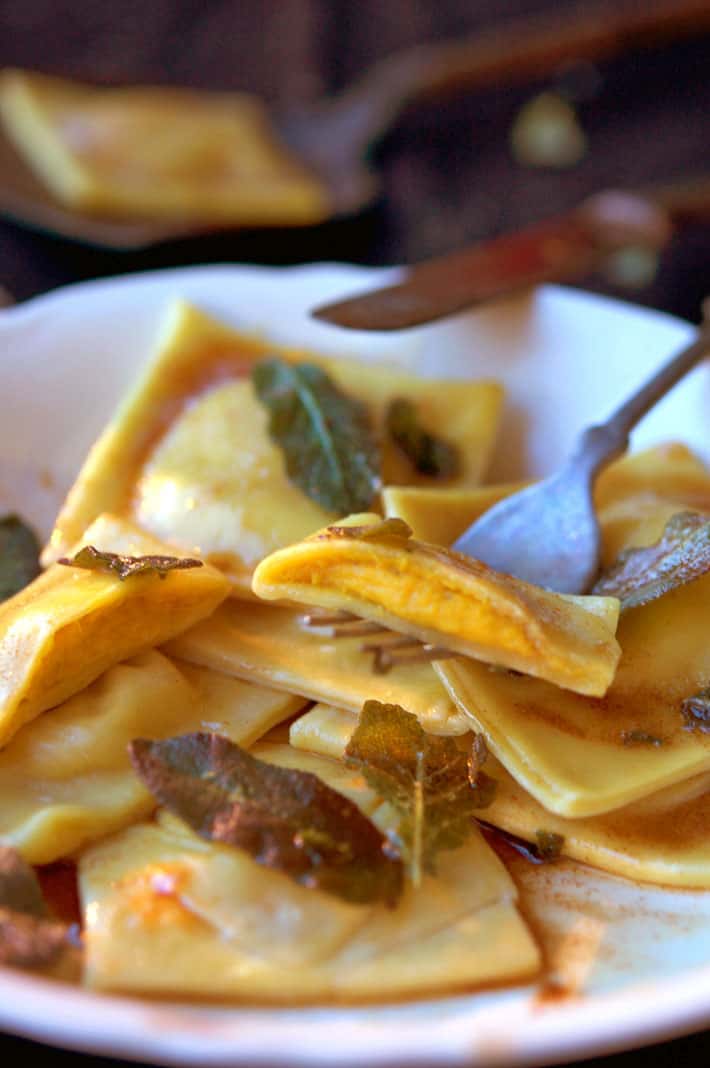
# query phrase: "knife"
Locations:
[[560, 249]]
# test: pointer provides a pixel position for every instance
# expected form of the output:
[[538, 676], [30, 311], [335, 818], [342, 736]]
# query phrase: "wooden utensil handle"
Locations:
[[519, 50]]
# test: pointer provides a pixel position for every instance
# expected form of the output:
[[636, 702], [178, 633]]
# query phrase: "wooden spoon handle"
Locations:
[[520, 50]]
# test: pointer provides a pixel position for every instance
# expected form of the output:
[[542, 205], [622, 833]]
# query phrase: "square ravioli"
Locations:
[[71, 624], [660, 839], [66, 779], [362, 568], [189, 457], [582, 756], [158, 152], [168, 912], [271, 646]]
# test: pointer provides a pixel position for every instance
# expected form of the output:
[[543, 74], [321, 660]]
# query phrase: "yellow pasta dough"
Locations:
[[170, 913], [271, 646], [69, 625], [659, 839], [188, 455], [66, 779], [580, 756], [158, 152], [448, 601]]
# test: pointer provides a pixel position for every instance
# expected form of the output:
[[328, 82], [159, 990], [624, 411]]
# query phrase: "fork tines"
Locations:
[[342, 624], [390, 649]]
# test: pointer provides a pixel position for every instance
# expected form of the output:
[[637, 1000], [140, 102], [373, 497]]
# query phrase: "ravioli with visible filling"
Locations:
[[580, 756], [69, 625], [272, 646], [66, 779], [170, 913], [449, 601], [158, 152], [188, 455]]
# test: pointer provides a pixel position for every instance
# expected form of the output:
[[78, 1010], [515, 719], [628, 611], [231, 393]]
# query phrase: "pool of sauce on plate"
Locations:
[[525, 867], [61, 891]]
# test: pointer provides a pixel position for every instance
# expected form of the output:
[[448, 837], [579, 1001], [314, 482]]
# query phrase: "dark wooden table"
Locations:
[[448, 174]]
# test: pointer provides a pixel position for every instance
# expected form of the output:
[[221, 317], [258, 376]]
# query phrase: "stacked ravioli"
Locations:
[[554, 684]]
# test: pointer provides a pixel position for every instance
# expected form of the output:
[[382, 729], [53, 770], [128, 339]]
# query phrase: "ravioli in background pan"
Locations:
[[159, 153], [70, 624], [66, 779], [167, 912], [271, 645], [189, 458]]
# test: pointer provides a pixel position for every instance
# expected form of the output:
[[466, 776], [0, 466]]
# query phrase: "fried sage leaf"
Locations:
[[392, 531], [28, 938], [641, 737], [19, 556], [696, 712], [434, 786], [92, 559], [681, 555], [429, 455], [326, 438], [284, 818], [549, 845]]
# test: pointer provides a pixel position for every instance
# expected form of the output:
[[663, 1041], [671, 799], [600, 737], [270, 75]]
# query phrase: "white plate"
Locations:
[[636, 954]]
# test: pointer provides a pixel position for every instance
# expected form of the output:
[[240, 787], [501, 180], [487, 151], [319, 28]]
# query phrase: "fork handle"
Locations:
[[600, 444], [519, 50]]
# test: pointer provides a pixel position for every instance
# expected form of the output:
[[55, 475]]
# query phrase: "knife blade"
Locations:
[[560, 249]]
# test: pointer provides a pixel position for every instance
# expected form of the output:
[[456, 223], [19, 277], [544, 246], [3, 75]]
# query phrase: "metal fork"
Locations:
[[546, 534]]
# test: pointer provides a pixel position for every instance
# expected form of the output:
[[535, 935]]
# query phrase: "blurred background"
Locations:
[[453, 171]]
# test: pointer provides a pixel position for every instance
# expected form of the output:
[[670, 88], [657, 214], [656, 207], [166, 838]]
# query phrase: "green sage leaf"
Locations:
[[640, 737], [284, 818], [429, 455], [435, 787], [392, 531], [19, 556], [326, 438], [549, 845], [681, 555], [92, 559]]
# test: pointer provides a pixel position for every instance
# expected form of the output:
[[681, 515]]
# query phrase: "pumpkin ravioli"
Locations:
[[662, 838], [272, 646], [66, 779], [578, 755], [188, 455], [170, 913], [69, 625], [659, 839], [447, 600], [158, 152], [581, 756]]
